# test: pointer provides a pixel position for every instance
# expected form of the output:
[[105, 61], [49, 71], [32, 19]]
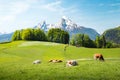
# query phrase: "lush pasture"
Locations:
[[16, 62]]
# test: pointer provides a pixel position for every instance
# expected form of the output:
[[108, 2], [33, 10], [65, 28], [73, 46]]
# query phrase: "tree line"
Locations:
[[53, 35], [60, 36], [83, 40]]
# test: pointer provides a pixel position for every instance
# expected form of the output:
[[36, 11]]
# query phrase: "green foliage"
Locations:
[[87, 41], [39, 35], [77, 40], [109, 45], [16, 35], [54, 35], [58, 35], [82, 40], [100, 41], [29, 34], [103, 41]]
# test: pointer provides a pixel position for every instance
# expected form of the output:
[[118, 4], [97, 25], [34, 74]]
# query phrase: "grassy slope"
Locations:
[[16, 62]]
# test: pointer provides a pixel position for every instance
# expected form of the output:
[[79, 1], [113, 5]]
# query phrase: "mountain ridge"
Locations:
[[68, 25], [6, 37], [113, 35], [65, 24]]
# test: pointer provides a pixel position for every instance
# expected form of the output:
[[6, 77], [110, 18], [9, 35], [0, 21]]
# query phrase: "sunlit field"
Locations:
[[16, 62]]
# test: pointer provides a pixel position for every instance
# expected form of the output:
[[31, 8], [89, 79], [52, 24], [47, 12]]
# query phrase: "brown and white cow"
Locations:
[[55, 61], [98, 56], [71, 63]]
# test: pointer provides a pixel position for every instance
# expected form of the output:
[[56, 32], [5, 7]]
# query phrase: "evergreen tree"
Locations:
[[86, 41], [98, 42], [82, 40], [103, 41], [77, 40]]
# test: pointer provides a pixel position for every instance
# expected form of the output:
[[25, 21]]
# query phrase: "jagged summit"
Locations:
[[43, 25], [68, 25]]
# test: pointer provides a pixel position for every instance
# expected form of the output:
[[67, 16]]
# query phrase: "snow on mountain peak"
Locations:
[[66, 20], [64, 17], [65, 24], [68, 25]]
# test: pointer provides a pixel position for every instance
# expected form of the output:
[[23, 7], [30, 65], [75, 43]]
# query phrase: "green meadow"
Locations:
[[16, 62]]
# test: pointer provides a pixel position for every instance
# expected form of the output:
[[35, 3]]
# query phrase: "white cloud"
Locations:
[[57, 7], [54, 6], [19, 7], [9, 13]]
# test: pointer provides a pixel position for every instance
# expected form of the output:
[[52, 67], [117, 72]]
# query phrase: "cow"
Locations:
[[71, 63], [98, 56], [55, 61], [36, 62]]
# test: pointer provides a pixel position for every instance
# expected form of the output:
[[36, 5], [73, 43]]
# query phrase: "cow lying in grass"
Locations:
[[55, 61], [36, 62], [71, 63], [98, 56]]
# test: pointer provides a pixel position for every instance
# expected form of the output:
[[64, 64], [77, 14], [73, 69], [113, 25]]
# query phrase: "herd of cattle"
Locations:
[[71, 62]]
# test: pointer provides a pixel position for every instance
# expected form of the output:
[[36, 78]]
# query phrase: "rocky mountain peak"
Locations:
[[68, 25]]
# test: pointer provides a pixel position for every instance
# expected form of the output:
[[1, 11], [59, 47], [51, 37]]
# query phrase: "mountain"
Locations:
[[113, 35], [68, 25], [1, 33], [5, 37]]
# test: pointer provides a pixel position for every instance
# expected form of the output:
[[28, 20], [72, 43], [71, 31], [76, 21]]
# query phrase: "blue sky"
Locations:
[[97, 14]]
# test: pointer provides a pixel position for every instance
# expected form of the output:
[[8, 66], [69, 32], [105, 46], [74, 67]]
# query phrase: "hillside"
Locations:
[[16, 62], [48, 50], [113, 35]]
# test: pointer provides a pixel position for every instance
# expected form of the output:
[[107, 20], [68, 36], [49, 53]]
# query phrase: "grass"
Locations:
[[16, 62]]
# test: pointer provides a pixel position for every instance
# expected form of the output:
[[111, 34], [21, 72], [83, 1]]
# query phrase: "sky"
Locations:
[[97, 14]]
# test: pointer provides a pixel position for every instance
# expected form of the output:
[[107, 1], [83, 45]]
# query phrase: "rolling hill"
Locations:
[[113, 35], [16, 62]]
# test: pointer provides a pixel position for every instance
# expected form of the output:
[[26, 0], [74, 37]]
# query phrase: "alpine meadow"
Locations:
[[16, 62], [59, 39]]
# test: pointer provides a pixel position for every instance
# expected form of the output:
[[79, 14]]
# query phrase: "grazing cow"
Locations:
[[55, 61], [71, 63], [36, 62], [98, 56]]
